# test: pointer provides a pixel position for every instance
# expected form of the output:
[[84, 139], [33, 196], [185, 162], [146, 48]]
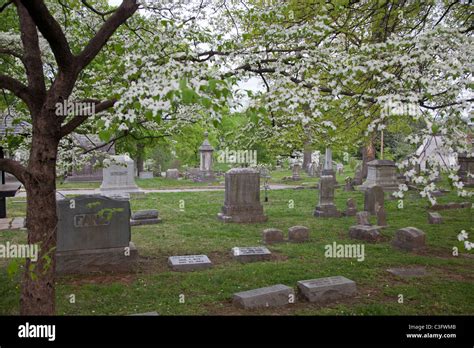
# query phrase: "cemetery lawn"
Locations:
[[447, 289]]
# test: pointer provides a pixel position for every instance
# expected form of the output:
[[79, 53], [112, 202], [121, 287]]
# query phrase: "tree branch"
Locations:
[[76, 121], [13, 167], [125, 11], [16, 87], [51, 31]]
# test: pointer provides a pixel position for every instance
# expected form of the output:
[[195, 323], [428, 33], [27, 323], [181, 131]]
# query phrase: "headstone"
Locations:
[[408, 272], [381, 215], [365, 232], [358, 179], [205, 160], [349, 186], [313, 169], [147, 314], [118, 176], [145, 217], [272, 235], [272, 296], [373, 195], [409, 238], [327, 289], [298, 234], [145, 175], [381, 173], [242, 197], [172, 173], [434, 218], [251, 254], [295, 175], [326, 207], [363, 218], [339, 168], [93, 235], [466, 169], [189, 262], [351, 209]]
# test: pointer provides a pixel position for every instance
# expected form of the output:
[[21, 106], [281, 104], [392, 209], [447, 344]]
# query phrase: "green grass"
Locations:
[[448, 289]]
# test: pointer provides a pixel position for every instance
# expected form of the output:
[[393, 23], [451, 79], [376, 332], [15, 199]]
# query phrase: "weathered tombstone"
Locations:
[[365, 232], [349, 186], [373, 195], [409, 238], [298, 234], [466, 169], [118, 176], [205, 160], [381, 215], [358, 179], [381, 173], [272, 296], [327, 289], [145, 217], [339, 168], [242, 197], [172, 173], [351, 209], [272, 235], [328, 169], [295, 175], [145, 175], [326, 207], [363, 218], [93, 235], [250, 254], [189, 262], [434, 218], [408, 272], [313, 169]]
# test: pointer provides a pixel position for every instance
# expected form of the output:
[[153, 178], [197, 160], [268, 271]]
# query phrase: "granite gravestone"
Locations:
[[118, 176], [466, 169], [326, 206], [271, 296], [327, 289], [250, 254], [298, 234], [93, 235], [205, 160], [145, 217], [272, 235], [172, 174], [381, 173], [409, 239], [295, 175], [189, 262], [351, 209], [374, 196], [242, 197]]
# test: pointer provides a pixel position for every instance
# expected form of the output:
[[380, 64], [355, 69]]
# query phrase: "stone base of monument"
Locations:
[[242, 215], [365, 232], [145, 217], [328, 210], [327, 289], [381, 173], [271, 296], [97, 260]]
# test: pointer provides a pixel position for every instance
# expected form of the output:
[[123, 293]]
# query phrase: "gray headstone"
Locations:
[[381, 216], [408, 272], [251, 254], [189, 262], [118, 176], [295, 172], [434, 218], [145, 214], [147, 314], [373, 195], [365, 232], [327, 289], [172, 173], [326, 207], [272, 296], [242, 197], [349, 186], [272, 235], [363, 218], [145, 175], [409, 238], [93, 235], [298, 234], [351, 209]]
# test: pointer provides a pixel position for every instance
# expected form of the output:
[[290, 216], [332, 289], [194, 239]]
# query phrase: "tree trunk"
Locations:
[[38, 290], [140, 148], [307, 152]]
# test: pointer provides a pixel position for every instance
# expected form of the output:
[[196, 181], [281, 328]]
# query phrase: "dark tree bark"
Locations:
[[39, 177]]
